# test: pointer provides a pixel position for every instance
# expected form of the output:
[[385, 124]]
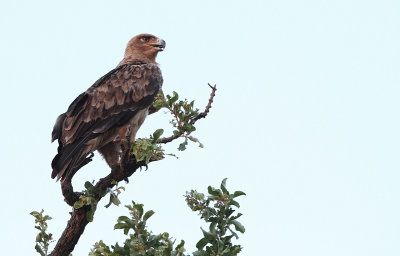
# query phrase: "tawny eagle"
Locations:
[[113, 108]]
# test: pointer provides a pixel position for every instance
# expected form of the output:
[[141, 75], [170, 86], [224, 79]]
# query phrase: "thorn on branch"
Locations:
[[207, 109]]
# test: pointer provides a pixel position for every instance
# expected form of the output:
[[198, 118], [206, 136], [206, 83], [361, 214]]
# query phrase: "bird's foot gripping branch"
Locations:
[[135, 156]]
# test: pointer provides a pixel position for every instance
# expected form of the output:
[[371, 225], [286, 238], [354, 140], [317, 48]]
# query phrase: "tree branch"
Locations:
[[210, 101], [194, 120], [78, 221]]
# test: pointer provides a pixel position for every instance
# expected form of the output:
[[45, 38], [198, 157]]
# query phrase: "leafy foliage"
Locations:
[[114, 195], [147, 149], [217, 209], [43, 239], [88, 198], [140, 241], [184, 114]]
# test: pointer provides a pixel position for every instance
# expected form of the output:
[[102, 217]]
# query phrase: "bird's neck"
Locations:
[[137, 58]]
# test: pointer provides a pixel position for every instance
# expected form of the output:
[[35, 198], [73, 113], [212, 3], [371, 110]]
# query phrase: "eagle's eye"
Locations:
[[145, 39]]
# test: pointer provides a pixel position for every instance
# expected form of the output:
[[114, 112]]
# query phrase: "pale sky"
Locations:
[[305, 120]]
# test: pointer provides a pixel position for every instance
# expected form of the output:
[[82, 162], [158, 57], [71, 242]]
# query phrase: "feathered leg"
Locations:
[[111, 153]]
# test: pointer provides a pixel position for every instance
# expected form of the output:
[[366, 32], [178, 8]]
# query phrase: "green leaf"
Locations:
[[121, 226], [200, 253], [147, 215], [89, 186], [233, 202], [235, 217], [180, 245], [173, 99], [47, 217], [214, 191], [183, 145], [139, 208], [122, 218], [39, 250], [129, 223], [236, 250], [201, 243], [193, 139], [115, 200], [79, 204], [34, 213], [189, 128], [212, 227], [208, 235], [223, 186], [234, 234], [238, 226], [90, 213], [159, 102], [157, 134], [238, 193], [221, 245]]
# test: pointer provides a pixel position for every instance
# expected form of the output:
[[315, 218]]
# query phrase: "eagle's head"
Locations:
[[144, 47]]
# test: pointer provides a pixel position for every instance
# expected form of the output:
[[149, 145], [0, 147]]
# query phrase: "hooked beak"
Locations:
[[160, 45]]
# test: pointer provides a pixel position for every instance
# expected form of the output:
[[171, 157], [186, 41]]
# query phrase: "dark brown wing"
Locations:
[[111, 102]]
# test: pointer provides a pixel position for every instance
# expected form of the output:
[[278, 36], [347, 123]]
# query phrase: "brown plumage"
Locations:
[[112, 109]]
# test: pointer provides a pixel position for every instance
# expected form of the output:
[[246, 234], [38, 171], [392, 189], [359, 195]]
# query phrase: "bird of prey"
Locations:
[[112, 109]]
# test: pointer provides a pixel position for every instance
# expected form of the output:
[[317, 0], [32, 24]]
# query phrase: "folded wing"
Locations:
[[111, 102]]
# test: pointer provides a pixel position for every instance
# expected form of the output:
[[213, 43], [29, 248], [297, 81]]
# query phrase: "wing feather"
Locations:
[[110, 102]]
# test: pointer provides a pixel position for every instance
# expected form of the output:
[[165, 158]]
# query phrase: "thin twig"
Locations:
[[199, 116], [210, 101], [170, 138]]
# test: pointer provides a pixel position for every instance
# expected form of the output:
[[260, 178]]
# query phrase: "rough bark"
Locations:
[[69, 238]]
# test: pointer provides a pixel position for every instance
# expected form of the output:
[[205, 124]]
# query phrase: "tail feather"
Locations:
[[56, 133], [68, 157]]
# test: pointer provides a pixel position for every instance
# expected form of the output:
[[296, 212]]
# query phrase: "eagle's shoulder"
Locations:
[[122, 91], [131, 71]]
